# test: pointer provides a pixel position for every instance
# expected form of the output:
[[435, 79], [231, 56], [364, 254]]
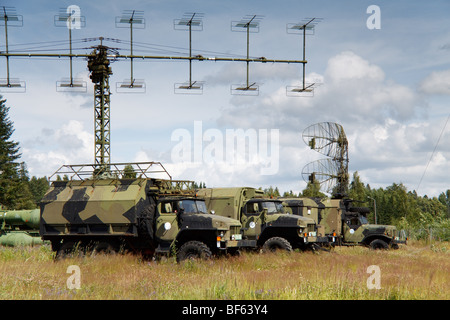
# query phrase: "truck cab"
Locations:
[[263, 219], [348, 224]]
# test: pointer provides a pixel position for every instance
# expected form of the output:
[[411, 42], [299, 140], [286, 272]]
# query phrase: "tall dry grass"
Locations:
[[414, 271]]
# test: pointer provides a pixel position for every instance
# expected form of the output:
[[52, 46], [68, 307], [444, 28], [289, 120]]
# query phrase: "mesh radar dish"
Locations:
[[131, 19], [191, 21], [306, 27], [329, 139], [9, 18], [70, 18], [248, 24], [325, 172]]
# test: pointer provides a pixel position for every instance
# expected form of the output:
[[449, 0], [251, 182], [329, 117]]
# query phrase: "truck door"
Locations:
[[251, 220], [167, 223], [352, 230]]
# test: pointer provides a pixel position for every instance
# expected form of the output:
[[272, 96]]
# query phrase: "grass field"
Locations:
[[416, 271]]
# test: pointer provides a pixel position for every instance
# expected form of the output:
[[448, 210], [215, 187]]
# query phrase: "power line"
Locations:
[[434, 150]]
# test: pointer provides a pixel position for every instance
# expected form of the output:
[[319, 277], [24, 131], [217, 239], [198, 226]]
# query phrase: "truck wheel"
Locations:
[[70, 248], [378, 244], [276, 243], [193, 250], [104, 247]]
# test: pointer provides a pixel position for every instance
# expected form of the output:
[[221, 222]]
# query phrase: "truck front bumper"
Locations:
[[312, 239], [241, 244]]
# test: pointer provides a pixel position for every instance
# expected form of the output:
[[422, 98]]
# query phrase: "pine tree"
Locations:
[[23, 194], [312, 190], [38, 188], [9, 154]]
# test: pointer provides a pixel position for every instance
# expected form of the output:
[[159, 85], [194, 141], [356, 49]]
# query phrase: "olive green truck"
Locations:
[[122, 208], [264, 219], [344, 223]]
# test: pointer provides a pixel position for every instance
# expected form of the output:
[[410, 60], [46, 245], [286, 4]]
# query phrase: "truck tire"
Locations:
[[104, 247], [276, 243], [70, 249], [378, 244], [193, 250]]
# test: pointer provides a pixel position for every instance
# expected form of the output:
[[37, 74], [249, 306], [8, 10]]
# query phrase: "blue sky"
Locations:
[[389, 88]]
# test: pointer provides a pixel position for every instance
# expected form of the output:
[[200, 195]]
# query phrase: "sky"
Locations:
[[383, 75]]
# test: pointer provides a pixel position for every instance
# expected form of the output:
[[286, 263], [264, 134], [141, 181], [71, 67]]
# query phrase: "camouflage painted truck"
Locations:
[[263, 219], [125, 209], [347, 224], [19, 228]]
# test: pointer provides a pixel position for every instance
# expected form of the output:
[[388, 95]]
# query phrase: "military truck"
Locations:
[[347, 224], [263, 219], [19, 228], [118, 208]]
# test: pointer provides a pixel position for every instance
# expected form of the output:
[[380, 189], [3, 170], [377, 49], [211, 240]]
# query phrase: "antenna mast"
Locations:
[[98, 65], [10, 18]]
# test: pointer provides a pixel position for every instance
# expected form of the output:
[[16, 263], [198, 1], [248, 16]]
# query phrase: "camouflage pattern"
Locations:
[[348, 224], [140, 214], [19, 227], [261, 218]]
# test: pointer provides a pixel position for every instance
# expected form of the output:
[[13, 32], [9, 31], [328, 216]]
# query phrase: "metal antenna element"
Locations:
[[329, 139], [249, 23], [306, 26], [9, 17], [191, 21], [71, 19], [130, 19]]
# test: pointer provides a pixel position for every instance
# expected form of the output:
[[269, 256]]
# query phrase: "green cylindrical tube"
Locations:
[[29, 218], [17, 238]]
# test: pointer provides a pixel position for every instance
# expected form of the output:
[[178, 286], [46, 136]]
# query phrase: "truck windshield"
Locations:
[[192, 206], [273, 207], [363, 220]]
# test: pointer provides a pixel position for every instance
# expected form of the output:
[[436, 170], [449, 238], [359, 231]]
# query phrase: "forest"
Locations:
[[422, 216]]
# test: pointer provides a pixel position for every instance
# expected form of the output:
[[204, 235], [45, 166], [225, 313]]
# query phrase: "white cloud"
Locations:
[[349, 66], [69, 144], [437, 82]]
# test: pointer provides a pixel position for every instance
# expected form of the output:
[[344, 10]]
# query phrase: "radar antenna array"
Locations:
[[101, 56], [10, 18], [191, 21], [130, 19], [71, 19], [306, 27], [248, 24], [329, 139]]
